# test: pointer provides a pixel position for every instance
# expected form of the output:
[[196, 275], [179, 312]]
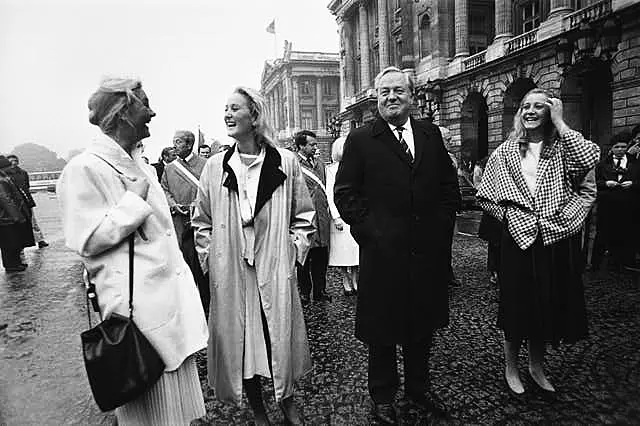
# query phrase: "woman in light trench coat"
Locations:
[[253, 220]]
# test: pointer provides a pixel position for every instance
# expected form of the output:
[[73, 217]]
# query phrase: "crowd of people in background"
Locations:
[[232, 242]]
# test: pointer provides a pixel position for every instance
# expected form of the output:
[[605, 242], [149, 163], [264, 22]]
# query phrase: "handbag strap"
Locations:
[[91, 288], [131, 238]]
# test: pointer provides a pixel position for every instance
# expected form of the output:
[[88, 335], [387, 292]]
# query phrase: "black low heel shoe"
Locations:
[[542, 392], [291, 422]]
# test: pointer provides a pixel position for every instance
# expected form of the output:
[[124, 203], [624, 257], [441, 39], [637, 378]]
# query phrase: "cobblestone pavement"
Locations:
[[42, 379]]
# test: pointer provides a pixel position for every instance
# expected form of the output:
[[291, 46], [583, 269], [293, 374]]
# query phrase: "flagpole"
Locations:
[[275, 41]]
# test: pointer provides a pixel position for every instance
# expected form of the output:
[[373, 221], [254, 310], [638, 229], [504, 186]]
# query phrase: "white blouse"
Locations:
[[529, 165]]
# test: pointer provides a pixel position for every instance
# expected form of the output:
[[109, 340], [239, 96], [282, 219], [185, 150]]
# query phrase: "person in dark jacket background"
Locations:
[[21, 179], [15, 220], [618, 181], [397, 189]]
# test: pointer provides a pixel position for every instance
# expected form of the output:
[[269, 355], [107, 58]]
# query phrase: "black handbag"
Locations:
[[121, 363]]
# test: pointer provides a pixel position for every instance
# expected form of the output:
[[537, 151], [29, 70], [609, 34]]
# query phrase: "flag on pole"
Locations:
[[271, 28], [200, 138]]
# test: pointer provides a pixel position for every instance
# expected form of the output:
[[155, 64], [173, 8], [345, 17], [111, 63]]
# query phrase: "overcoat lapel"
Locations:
[[420, 140], [271, 177], [382, 132], [230, 181], [546, 157]]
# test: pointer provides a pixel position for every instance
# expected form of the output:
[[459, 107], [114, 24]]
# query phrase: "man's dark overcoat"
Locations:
[[402, 216]]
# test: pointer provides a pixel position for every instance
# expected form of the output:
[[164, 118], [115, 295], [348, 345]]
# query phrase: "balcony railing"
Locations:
[[589, 13], [522, 41], [474, 61]]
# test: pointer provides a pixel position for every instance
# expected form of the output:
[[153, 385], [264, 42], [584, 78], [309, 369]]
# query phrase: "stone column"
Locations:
[[462, 28], [364, 45], [503, 20], [383, 34], [289, 104], [349, 57], [276, 107], [559, 8], [274, 115], [295, 103], [319, 103]]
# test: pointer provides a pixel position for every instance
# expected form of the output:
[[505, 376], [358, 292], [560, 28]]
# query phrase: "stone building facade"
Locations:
[[473, 61], [302, 90]]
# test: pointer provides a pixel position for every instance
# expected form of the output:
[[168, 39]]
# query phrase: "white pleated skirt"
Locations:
[[176, 399]]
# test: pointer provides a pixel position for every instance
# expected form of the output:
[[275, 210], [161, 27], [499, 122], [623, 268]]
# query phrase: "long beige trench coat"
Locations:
[[283, 226]]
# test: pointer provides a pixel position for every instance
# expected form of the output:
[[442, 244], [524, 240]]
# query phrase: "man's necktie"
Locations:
[[403, 144], [618, 161]]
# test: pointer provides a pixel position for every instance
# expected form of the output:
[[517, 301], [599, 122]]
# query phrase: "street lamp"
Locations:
[[428, 100], [334, 124]]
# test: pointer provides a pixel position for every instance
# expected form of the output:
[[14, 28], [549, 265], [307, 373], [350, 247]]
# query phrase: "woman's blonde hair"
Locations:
[[258, 109], [337, 148], [113, 96], [519, 133]]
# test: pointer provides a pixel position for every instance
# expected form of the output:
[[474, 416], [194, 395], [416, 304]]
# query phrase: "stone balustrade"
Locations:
[[474, 61], [589, 13], [522, 41]]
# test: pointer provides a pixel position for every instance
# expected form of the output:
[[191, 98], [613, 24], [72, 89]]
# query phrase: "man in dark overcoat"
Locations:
[[397, 188], [314, 271]]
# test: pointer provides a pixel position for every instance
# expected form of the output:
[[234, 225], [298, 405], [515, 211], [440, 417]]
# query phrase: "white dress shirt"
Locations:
[[407, 135]]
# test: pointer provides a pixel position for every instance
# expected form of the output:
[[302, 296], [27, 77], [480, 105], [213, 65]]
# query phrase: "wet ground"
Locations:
[[43, 382]]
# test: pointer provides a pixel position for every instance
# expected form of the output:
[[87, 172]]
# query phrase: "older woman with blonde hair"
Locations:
[[343, 249], [253, 219], [107, 195], [533, 184]]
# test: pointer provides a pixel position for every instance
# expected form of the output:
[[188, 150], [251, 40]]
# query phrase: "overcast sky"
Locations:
[[189, 55]]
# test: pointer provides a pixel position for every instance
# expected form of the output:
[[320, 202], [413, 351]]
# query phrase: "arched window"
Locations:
[[425, 36]]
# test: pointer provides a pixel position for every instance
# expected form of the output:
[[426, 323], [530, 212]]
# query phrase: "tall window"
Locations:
[[425, 36], [399, 52], [530, 14], [306, 87], [327, 87], [306, 116]]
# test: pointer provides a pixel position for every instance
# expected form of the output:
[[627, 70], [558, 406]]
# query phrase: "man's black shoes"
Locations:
[[430, 403], [324, 297], [385, 414]]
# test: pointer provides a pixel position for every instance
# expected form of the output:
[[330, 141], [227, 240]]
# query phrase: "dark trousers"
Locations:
[[314, 272], [383, 370], [191, 257], [11, 257]]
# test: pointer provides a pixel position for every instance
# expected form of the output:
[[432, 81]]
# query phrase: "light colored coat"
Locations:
[[98, 215], [283, 225]]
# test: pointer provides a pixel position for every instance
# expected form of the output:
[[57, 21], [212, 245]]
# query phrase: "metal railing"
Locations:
[[522, 41], [589, 13], [474, 61]]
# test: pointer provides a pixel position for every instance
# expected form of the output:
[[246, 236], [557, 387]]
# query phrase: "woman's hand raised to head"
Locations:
[[139, 186], [555, 111]]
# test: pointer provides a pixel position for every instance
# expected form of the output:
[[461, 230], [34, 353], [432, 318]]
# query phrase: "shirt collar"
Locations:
[[406, 127], [188, 157]]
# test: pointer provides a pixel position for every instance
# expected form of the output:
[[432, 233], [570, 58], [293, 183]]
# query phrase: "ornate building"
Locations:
[[303, 92], [473, 61]]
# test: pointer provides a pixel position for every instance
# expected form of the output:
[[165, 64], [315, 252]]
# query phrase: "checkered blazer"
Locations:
[[556, 210]]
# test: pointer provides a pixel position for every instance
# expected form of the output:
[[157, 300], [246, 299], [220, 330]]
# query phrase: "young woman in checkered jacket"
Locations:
[[532, 184]]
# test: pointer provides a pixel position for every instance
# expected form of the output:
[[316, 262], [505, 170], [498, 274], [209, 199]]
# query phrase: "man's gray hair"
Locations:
[[389, 70]]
